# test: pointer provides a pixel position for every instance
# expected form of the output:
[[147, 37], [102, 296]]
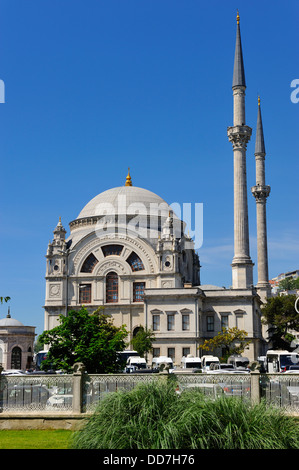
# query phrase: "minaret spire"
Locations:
[[239, 135], [239, 74], [260, 193], [259, 141]]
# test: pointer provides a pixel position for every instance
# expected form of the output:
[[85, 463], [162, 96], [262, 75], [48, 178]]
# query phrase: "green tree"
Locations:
[[142, 342], [280, 315], [288, 284], [84, 337], [4, 299], [232, 340]]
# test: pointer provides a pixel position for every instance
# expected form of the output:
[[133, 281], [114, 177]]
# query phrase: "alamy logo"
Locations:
[[151, 220], [2, 92], [295, 93]]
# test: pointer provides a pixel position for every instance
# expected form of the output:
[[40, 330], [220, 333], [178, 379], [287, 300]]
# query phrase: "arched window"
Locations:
[[16, 358], [89, 264], [111, 288], [109, 250], [136, 330], [135, 262]]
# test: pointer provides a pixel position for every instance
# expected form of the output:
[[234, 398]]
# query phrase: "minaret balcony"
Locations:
[[239, 136], [260, 193]]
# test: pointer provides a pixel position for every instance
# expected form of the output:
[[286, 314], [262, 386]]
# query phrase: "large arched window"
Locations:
[[110, 250], [16, 358], [111, 287], [135, 262], [89, 264]]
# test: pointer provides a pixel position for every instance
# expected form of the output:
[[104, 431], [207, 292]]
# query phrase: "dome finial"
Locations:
[[259, 101], [238, 17], [128, 179]]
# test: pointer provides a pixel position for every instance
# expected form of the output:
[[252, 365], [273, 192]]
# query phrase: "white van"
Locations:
[[135, 363], [190, 362], [206, 361], [280, 361], [159, 362], [238, 361]]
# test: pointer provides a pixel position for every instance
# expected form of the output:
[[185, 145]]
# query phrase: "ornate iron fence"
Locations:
[[217, 384], [96, 387], [281, 390], [81, 392], [51, 393]]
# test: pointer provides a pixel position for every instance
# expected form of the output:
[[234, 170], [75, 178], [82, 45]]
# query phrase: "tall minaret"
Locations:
[[261, 192], [239, 135]]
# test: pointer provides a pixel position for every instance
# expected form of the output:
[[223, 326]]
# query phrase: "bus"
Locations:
[[280, 361], [39, 358]]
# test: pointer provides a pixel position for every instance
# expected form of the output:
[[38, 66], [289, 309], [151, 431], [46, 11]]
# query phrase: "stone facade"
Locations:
[[16, 344], [155, 281], [128, 252]]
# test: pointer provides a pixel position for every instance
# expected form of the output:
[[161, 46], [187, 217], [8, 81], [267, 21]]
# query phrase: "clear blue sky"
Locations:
[[95, 86]]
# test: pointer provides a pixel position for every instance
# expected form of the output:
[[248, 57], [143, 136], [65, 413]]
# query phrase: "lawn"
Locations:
[[35, 439]]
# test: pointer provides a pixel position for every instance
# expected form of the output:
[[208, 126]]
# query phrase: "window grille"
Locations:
[[85, 294], [138, 291], [112, 288], [112, 250], [135, 262], [89, 264]]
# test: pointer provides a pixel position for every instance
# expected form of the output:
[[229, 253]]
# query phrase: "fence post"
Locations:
[[78, 373], [255, 387]]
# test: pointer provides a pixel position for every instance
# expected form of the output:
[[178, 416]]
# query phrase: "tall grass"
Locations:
[[153, 416]]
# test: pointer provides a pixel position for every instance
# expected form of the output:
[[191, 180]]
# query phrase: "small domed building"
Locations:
[[16, 344]]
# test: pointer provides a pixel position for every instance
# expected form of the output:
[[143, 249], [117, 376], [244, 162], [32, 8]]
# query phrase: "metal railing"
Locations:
[[80, 392]]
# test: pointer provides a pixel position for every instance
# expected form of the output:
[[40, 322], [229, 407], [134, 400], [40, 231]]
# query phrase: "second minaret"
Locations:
[[260, 192]]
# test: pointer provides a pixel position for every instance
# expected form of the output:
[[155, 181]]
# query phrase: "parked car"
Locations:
[[222, 367], [13, 372]]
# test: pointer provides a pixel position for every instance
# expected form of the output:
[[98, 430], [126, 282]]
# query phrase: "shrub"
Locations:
[[153, 416]]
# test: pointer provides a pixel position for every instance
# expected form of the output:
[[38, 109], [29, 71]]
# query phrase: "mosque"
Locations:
[[147, 273]]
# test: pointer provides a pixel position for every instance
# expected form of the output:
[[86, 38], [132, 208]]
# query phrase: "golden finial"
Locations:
[[238, 17], [259, 101], [128, 179]]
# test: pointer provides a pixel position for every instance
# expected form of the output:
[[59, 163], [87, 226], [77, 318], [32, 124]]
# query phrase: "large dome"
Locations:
[[128, 200]]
